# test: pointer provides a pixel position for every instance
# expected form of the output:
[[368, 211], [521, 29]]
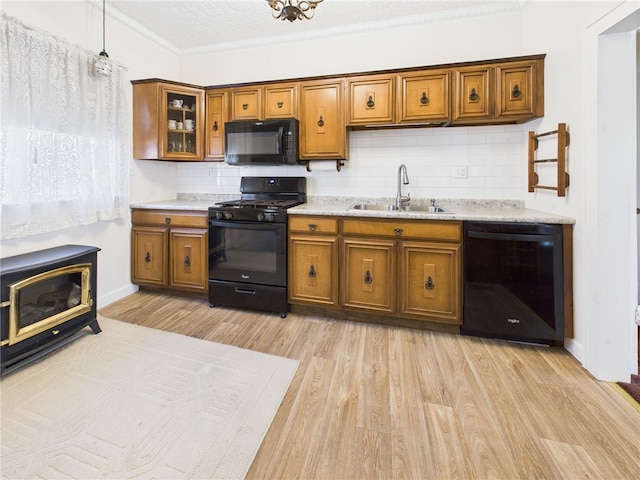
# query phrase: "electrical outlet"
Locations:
[[460, 172]]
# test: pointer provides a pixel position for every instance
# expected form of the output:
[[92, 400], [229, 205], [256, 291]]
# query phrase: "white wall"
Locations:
[[80, 22]]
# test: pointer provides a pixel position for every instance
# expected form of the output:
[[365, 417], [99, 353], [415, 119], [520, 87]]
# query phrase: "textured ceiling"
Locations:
[[198, 26]]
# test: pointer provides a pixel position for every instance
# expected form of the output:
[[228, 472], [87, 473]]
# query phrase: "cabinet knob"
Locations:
[[187, 261], [215, 126], [167, 220], [312, 227], [312, 272], [367, 277], [370, 102], [516, 93], [424, 100], [429, 285], [473, 96], [245, 106], [321, 122], [280, 104], [397, 231], [147, 258]]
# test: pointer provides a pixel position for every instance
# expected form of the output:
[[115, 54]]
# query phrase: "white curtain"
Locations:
[[65, 145]]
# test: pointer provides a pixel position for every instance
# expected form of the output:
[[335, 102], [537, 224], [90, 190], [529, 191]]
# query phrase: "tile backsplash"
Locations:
[[494, 159]]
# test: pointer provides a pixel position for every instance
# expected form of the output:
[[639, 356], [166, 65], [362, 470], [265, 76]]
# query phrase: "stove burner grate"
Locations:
[[260, 203]]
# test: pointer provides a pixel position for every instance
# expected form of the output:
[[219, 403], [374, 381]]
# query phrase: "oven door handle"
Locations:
[[246, 291], [247, 225]]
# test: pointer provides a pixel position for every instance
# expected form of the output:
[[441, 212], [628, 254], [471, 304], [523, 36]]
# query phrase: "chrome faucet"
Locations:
[[403, 178]]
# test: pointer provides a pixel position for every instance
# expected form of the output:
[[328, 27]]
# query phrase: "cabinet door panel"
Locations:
[[515, 86], [322, 127], [313, 263], [424, 97], [472, 94], [281, 101], [216, 116], [429, 281], [189, 258], [371, 100], [150, 247], [182, 140], [368, 275], [246, 104]]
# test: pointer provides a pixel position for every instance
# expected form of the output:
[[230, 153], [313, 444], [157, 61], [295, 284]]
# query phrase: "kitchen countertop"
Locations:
[[176, 204], [460, 209]]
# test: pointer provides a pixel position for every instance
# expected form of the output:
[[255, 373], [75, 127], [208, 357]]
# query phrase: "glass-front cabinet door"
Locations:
[[181, 126], [168, 121]]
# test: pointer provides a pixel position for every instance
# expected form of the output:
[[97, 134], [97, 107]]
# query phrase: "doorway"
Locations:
[[612, 194]]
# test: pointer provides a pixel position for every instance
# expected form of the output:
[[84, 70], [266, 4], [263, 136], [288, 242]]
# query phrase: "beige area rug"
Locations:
[[134, 402]]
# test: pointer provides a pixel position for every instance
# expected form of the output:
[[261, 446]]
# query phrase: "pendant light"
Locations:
[[103, 64]]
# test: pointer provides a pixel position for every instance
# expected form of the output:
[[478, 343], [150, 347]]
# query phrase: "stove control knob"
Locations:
[[270, 217], [228, 215], [219, 215], [260, 217]]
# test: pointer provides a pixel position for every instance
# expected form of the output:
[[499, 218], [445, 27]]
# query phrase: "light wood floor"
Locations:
[[371, 401]]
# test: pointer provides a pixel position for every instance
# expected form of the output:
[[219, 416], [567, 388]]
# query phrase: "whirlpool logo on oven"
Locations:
[[513, 321], [244, 277]]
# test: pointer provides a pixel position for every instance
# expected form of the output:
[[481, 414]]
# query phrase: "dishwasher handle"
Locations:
[[518, 237]]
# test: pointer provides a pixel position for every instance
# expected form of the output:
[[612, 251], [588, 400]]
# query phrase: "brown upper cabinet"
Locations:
[[508, 92], [217, 112], [323, 133], [246, 103], [423, 97], [281, 101], [167, 121], [489, 92], [371, 100], [264, 102], [519, 90], [473, 97]]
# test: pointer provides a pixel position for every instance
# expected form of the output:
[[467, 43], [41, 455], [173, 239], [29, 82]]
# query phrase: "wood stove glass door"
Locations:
[[45, 300]]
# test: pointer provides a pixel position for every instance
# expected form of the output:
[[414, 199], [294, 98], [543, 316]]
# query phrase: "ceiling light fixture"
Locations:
[[103, 64], [293, 9]]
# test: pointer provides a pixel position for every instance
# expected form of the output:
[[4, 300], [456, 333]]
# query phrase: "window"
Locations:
[[64, 135]]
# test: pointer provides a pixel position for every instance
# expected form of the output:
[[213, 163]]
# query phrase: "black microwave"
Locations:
[[270, 142]]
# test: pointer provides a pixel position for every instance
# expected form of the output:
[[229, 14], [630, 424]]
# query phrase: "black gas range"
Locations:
[[263, 199], [248, 244]]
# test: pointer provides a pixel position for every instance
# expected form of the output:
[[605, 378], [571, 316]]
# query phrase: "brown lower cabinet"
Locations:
[[404, 269], [169, 249], [313, 261]]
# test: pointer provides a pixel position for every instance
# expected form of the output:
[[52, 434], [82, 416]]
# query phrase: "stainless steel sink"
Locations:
[[373, 206], [393, 208], [427, 209]]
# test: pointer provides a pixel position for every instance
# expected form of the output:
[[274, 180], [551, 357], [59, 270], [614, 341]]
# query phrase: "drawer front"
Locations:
[[426, 229], [313, 224], [172, 218]]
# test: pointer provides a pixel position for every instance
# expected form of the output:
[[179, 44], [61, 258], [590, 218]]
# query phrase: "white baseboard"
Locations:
[[104, 300]]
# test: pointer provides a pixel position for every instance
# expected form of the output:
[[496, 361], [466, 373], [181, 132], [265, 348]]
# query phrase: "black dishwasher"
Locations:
[[513, 282]]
